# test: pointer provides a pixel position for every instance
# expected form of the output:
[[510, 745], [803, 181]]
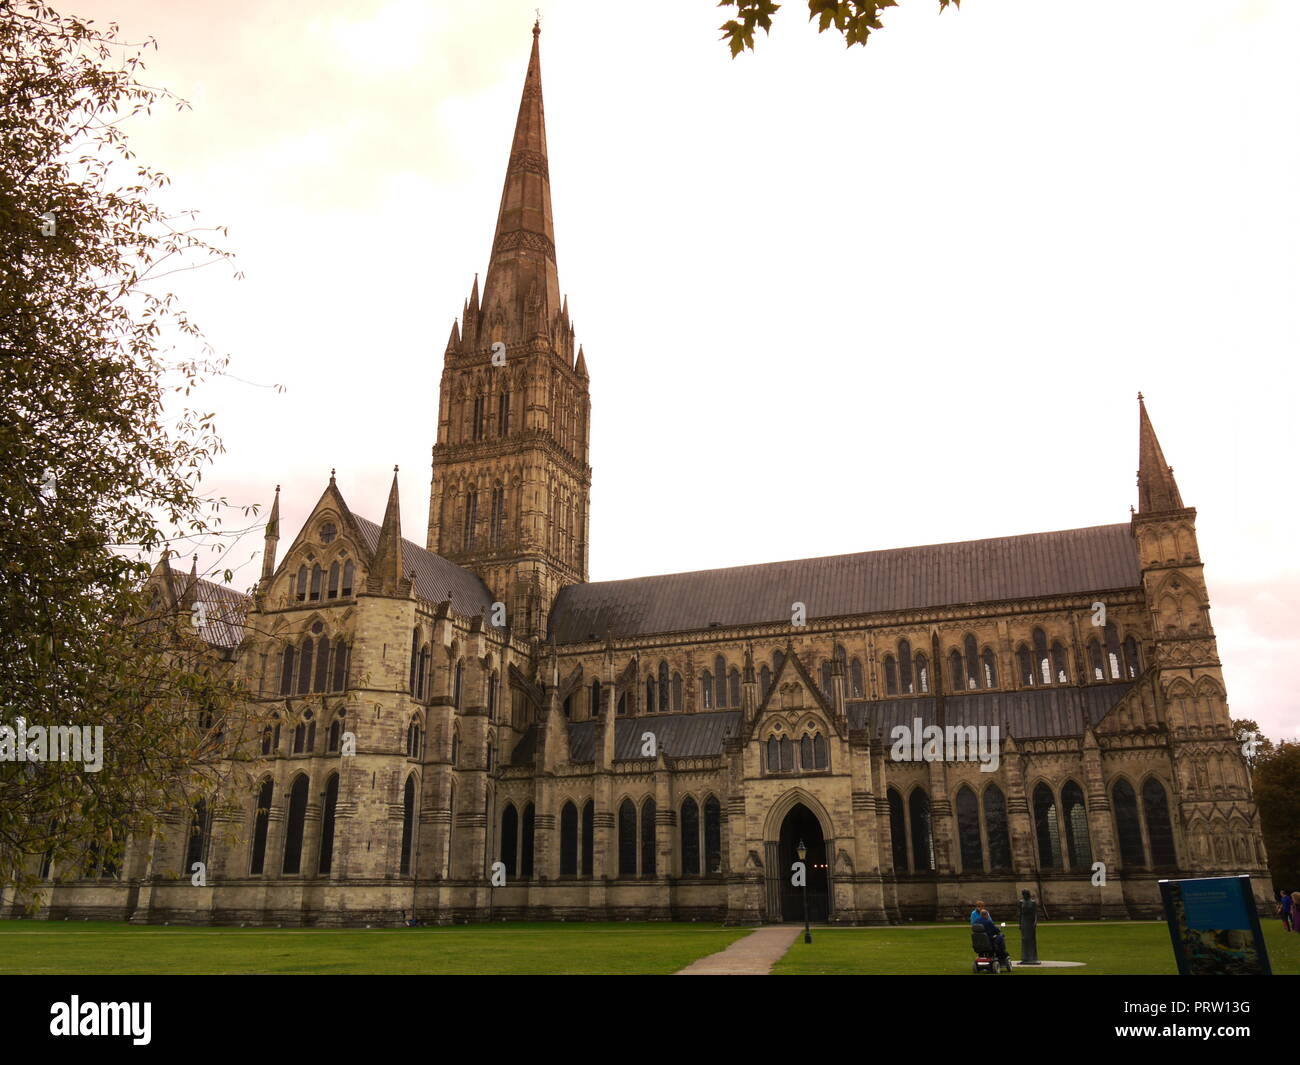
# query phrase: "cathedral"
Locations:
[[470, 729]]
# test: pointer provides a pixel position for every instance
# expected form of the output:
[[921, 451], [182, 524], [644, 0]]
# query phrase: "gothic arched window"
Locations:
[[1060, 668], [1113, 651], [340, 664], [1047, 828], [297, 820], [304, 667], [332, 588], [349, 573], [677, 693], [764, 681], [690, 837], [1025, 662], [588, 838], [922, 841], [905, 667], [706, 689], [286, 671], [664, 685], [773, 755], [328, 809], [198, 836], [321, 680], [821, 752], [806, 752], [469, 526], [891, 676], [1132, 660], [1078, 844], [712, 835], [972, 663], [1042, 667], [1094, 660], [408, 825], [526, 843], [897, 830], [569, 840], [733, 682], [856, 687], [1155, 805], [510, 839], [261, 821], [595, 698], [990, 669], [648, 838], [996, 829], [1128, 826], [627, 838], [968, 830], [922, 674], [956, 671], [787, 754], [498, 515]]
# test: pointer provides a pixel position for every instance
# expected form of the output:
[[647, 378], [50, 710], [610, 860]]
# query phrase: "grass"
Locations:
[[104, 948], [1106, 948]]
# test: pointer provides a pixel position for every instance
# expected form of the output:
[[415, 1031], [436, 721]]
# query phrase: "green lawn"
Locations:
[[1107, 948], [102, 948]]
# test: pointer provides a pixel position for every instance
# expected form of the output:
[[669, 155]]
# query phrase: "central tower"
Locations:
[[511, 479]]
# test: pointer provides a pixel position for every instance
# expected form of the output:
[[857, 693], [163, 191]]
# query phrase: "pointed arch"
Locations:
[[690, 837], [409, 793], [294, 825], [329, 808], [996, 827], [569, 839]]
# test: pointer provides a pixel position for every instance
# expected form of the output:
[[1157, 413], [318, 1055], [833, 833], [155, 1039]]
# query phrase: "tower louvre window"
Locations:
[[471, 519], [479, 416], [503, 414], [498, 515]]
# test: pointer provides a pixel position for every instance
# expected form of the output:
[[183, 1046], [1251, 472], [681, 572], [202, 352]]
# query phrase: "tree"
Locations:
[[1254, 744], [94, 477], [854, 19], [1275, 779]]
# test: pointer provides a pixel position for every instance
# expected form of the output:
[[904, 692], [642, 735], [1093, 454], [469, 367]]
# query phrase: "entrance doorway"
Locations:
[[802, 824]]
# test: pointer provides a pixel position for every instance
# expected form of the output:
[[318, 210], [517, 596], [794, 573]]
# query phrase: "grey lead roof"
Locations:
[[1099, 558], [1034, 714], [1042, 712], [436, 579], [677, 735]]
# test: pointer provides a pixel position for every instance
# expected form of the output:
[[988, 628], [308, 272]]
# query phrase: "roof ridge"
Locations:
[[855, 554]]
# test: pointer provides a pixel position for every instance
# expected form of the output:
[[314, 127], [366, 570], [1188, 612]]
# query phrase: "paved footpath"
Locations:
[[754, 955]]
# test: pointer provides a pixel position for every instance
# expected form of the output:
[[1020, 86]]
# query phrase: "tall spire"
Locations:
[[386, 576], [523, 248], [272, 537], [1157, 489]]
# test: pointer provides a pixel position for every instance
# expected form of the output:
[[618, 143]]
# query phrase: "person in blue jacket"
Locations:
[[998, 940]]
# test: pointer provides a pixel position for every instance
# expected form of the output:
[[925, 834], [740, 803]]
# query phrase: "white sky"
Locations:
[[832, 300]]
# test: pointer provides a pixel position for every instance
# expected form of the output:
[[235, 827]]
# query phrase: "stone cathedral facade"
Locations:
[[470, 729]]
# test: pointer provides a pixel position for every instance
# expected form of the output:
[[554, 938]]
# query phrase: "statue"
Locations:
[[1028, 930]]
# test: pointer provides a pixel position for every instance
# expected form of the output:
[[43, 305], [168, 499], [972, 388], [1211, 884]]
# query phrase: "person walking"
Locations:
[[1286, 910]]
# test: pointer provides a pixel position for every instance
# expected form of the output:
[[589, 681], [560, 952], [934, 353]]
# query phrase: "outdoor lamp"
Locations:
[[801, 850]]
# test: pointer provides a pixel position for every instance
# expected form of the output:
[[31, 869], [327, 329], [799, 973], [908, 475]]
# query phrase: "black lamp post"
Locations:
[[802, 851]]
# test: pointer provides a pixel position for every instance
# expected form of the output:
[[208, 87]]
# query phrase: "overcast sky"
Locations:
[[832, 299]]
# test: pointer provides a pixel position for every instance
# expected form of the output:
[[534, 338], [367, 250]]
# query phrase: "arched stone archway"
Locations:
[[798, 817]]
